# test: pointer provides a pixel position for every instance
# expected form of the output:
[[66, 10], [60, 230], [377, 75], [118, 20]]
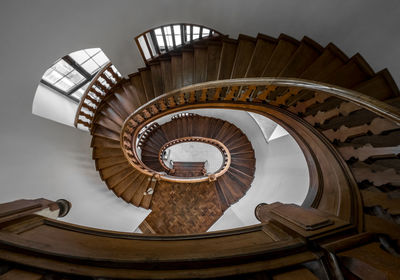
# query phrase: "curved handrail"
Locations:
[[244, 91], [223, 149], [99, 91], [148, 41]]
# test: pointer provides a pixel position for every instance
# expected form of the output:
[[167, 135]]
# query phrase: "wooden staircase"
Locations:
[[368, 142]]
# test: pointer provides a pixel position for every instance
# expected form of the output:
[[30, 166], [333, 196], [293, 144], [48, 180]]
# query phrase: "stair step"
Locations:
[[117, 178], [106, 133], [200, 64], [244, 52], [213, 58], [262, 53], [128, 97], [187, 66], [141, 189], [228, 53], [107, 123], [146, 201], [156, 77], [107, 172], [283, 51], [107, 111], [104, 142], [109, 161], [115, 104], [107, 152], [145, 74], [302, 58], [166, 70], [222, 199], [125, 183], [176, 69]]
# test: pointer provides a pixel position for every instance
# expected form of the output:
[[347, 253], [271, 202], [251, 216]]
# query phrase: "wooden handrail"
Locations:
[[86, 96], [223, 149]]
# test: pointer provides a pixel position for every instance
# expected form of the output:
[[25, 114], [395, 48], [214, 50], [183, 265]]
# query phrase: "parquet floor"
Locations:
[[183, 208]]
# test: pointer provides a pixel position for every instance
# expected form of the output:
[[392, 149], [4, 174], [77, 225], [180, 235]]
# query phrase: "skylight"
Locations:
[[163, 39], [71, 74]]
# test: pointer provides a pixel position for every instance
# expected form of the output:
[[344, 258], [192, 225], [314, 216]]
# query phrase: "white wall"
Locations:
[[51, 105], [50, 160]]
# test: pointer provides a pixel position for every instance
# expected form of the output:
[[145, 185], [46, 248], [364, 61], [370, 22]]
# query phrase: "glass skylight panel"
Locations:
[[51, 76], [62, 67], [188, 32], [159, 37], [177, 33], [90, 66], [143, 45], [79, 56], [151, 44], [206, 32], [65, 84], [92, 52], [196, 32], [101, 59], [168, 36], [75, 77]]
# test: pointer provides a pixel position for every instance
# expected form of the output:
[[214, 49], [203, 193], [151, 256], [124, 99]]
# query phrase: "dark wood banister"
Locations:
[[88, 89], [369, 103], [219, 145]]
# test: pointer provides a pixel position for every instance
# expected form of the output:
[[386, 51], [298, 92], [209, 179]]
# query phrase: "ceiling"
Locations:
[[38, 156]]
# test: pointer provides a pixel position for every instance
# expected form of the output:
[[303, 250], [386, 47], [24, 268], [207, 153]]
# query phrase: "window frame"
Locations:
[[86, 75]]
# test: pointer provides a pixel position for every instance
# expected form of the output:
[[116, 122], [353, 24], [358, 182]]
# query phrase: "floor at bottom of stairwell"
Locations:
[[183, 208]]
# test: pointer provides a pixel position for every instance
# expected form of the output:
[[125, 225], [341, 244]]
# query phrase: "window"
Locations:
[[71, 74]]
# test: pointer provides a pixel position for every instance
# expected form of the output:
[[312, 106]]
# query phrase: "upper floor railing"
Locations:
[[97, 90], [247, 93], [160, 40], [219, 145]]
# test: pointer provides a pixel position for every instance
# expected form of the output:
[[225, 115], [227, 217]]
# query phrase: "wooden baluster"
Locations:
[[301, 107], [244, 96], [87, 116], [146, 114], [114, 74], [377, 126], [264, 95], [96, 93], [107, 79], [364, 172], [87, 124], [344, 109], [181, 98], [100, 86], [231, 94], [153, 109], [161, 105], [89, 108], [203, 96], [171, 102], [367, 151], [281, 100], [217, 94], [138, 118], [192, 97], [91, 99]]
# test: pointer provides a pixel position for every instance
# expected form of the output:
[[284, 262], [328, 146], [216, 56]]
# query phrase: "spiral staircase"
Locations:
[[343, 115]]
